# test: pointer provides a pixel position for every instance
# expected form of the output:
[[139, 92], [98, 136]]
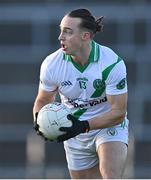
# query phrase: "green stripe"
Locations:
[[79, 112], [105, 74], [99, 92], [107, 71], [67, 57], [123, 123], [95, 52]]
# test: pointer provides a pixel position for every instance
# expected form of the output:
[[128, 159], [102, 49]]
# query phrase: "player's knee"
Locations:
[[108, 173]]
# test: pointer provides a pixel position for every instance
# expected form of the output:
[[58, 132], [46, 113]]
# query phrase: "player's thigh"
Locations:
[[91, 173], [112, 158]]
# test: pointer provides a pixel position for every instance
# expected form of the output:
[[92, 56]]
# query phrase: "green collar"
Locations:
[[93, 57]]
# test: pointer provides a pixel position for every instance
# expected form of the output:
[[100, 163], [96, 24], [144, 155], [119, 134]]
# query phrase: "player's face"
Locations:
[[70, 35]]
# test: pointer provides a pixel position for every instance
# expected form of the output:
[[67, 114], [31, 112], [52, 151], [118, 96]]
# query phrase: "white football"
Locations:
[[51, 117]]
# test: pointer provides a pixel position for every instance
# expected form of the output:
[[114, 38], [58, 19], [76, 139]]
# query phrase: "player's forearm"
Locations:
[[39, 103], [109, 119]]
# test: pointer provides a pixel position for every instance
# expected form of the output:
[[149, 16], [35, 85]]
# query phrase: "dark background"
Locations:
[[29, 31]]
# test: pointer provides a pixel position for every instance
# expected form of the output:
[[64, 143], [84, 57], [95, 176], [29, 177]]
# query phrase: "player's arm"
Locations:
[[115, 116], [43, 98]]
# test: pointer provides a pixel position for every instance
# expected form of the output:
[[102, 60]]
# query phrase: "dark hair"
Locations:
[[88, 20]]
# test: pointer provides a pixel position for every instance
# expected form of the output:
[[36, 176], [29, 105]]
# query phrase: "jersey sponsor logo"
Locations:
[[66, 83], [78, 103], [98, 84], [112, 131], [121, 84]]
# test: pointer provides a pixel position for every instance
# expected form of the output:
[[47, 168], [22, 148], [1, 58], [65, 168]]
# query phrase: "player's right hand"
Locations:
[[36, 127]]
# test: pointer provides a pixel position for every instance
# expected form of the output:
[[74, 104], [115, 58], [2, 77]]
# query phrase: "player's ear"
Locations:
[[86, 35]]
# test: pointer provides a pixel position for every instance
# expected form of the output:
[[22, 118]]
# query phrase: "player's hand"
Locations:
[[76, 128], [36, 127]]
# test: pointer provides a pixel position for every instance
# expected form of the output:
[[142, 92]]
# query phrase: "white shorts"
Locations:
[[81, 151]]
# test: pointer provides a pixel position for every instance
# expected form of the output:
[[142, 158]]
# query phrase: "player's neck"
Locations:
[[82, 56]]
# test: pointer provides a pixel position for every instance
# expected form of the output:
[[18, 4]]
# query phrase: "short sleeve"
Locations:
[[116, 82], [46, 81]]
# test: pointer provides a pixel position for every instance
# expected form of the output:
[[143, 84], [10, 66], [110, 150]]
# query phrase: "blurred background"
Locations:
[[29, 31]]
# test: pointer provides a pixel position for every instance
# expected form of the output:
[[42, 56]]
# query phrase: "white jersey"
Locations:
[[85, 89]]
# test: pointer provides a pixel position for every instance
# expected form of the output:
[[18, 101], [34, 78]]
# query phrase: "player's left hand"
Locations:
[[76, 128]]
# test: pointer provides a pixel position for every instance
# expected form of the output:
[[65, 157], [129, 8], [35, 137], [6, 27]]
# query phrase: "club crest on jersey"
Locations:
[[98, 84], [121, 84]]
